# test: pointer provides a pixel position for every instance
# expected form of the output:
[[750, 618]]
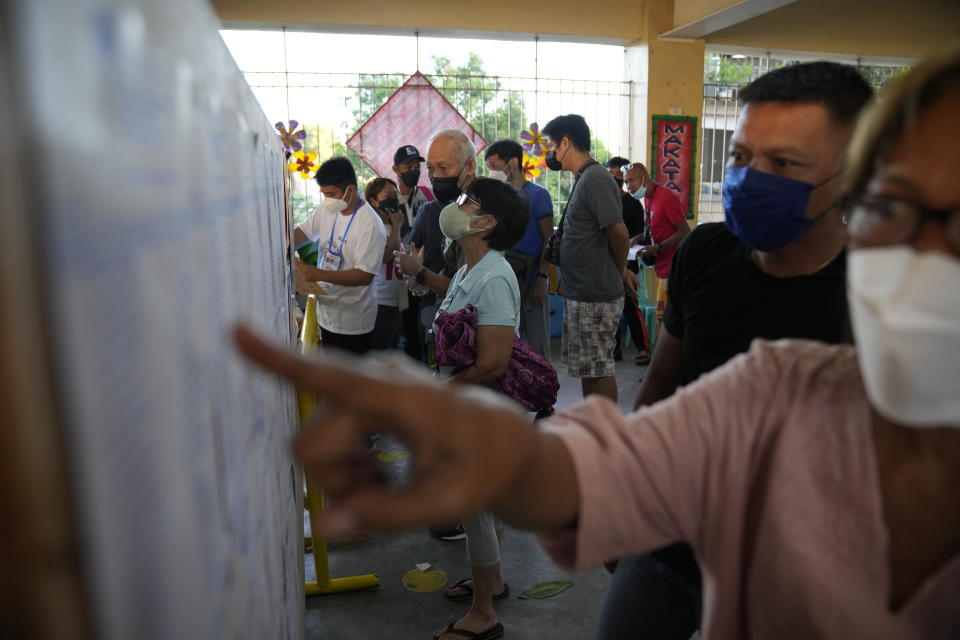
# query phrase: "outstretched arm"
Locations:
[[472, 448]]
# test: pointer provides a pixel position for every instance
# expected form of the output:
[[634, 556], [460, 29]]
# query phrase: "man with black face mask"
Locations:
[[406, 164], [774, 270], [452, 166], [593, 258]]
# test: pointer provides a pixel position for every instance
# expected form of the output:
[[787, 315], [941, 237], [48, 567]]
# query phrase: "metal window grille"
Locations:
[[496, 106], [720, 113]]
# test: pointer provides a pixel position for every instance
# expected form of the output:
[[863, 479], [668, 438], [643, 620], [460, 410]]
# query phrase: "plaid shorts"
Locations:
[[589, 337]]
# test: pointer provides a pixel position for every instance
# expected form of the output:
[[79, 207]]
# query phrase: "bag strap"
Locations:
[[563, 216]]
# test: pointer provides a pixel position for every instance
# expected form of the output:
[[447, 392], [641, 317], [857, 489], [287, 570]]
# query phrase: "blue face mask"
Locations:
[[764, 210], [640, 193]]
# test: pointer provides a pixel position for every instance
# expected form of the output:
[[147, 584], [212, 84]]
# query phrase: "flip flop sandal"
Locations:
[[496, 631], [462, 584]]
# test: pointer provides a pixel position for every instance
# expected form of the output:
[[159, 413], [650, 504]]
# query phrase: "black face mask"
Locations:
[[552, 162], [446, 189], [410, 178], [390, 205], [619, 183]]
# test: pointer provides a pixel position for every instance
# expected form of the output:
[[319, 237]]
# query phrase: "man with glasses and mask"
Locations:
[[774, 269], [593, 258], [352, 241]]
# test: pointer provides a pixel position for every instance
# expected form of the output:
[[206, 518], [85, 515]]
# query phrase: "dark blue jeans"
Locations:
[[649, 600]]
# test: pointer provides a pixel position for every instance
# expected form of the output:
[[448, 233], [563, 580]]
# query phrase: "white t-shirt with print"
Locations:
[[386, 283], [349, 310]]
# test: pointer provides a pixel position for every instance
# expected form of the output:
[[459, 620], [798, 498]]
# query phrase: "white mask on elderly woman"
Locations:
[[455, 223], [905, 309]]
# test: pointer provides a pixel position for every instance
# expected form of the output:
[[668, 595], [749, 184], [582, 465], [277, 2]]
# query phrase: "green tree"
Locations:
[[880, 77], [724, 69], [493, 111]]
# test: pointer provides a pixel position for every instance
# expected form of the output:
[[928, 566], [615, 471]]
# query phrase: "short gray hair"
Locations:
[[465, 148]]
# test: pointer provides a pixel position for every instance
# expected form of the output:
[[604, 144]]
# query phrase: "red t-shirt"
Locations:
[[663, 212]]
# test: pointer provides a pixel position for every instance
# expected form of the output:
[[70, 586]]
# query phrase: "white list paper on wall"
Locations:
[[162, 213]]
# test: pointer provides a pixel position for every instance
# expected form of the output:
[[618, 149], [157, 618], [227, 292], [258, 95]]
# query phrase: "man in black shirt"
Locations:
[[634, 221], [774, 270]]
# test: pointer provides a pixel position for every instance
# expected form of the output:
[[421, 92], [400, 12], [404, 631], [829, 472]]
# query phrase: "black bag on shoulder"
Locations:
[[522, 265], [551, 251]]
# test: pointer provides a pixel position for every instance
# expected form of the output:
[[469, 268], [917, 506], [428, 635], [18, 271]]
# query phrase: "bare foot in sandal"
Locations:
[[475, 625], [463, 590]]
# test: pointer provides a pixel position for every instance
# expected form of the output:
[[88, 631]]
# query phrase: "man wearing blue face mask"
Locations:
[[774, 269]]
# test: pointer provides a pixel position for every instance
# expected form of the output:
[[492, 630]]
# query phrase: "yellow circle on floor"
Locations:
[[394, 455], [425, 581]]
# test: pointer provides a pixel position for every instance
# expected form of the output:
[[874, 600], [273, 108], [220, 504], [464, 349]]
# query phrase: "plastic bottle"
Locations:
[[415, 287]]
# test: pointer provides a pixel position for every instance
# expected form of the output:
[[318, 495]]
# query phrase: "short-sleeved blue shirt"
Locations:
[[491, 287], [541, 206]]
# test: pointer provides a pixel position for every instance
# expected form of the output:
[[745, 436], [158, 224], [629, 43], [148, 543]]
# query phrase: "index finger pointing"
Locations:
[[334, 381]]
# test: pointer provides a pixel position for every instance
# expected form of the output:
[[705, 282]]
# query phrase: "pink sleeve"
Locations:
[[678, 470]]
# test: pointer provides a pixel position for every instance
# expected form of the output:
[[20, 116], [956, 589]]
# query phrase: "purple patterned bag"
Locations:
[[529, 379]]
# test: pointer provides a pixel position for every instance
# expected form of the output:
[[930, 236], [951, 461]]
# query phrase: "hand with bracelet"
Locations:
[[652, 249]]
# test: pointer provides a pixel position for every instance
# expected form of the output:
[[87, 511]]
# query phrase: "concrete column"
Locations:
[[667, 79]]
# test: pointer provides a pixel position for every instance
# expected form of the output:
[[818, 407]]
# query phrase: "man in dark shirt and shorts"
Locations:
[[593, 258], [774, 270]]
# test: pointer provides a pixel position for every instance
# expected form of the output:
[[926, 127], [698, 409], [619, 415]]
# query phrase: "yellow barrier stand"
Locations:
[[307, 401]]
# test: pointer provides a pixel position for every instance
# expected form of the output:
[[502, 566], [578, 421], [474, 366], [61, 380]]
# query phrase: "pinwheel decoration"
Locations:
[[534, 142], [532, 165], [290, 137], [305, 163]]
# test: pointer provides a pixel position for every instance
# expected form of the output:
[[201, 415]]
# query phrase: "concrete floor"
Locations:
[[393, 612]]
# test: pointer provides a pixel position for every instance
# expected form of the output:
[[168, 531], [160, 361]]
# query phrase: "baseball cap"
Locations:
[[406, 154]]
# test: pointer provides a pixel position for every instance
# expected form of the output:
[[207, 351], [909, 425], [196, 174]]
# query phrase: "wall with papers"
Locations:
[[160, 202]]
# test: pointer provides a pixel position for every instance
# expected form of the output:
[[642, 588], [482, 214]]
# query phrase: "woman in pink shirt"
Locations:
[[818, 486]]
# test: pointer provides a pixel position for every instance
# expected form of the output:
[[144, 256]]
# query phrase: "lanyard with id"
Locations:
[[332, 260]]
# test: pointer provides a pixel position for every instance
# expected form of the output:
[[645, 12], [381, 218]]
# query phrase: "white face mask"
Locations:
[[334, 205], [497, 175], [905, 308], [640, 193]]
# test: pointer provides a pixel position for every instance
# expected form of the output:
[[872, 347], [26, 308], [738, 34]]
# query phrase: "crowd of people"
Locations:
[[792, 464]]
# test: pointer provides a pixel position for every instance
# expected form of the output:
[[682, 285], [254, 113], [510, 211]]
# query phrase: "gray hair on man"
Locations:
[[464, 146]]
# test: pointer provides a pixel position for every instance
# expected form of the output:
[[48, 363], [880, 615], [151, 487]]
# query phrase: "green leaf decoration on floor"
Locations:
[[545, 590]]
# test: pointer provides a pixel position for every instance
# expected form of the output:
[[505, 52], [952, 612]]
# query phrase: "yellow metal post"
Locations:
[[307, 402]]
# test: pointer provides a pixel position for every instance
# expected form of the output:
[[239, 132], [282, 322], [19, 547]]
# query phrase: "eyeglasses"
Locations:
[[877, 220], [463, 198]]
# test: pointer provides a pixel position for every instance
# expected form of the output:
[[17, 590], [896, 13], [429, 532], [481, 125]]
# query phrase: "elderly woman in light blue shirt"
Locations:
[[488, 218]]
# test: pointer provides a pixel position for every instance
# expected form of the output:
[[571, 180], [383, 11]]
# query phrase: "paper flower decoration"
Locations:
[[290, 137], [534, 142], [531, 166], [304, 163]]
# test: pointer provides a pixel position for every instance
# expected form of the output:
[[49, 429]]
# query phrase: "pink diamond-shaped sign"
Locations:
[[411, 115]]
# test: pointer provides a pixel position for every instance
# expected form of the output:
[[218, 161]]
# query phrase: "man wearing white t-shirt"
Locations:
[[352, 240]]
